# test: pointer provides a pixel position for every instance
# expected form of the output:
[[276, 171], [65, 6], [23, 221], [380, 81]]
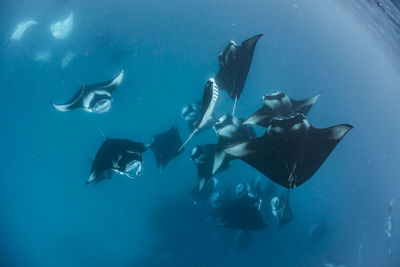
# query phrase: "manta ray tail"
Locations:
[[234, 107], [187, 140], [102, 133], [284, 204]]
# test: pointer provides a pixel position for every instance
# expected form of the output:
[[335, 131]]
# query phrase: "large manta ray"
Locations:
[[119, 155], [210, 96], [291, 150], [165, 146], [234, 65], [279, 104], [92, 97]]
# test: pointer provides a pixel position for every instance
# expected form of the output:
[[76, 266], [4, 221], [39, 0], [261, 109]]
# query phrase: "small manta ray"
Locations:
[[243, 213], [230, 131], [204, 157], [165, 146], [93, 97], [210, 96], [389, 226], [22, 28], [61, 29], [118, 155], [279, 104], [234, 65], [291, 150]]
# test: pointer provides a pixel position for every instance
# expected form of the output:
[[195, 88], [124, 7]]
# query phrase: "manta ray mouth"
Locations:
[[274, 96], [102, 106], [134, 168]]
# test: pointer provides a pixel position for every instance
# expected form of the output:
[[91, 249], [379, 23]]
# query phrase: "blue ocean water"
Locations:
[[50, 217]]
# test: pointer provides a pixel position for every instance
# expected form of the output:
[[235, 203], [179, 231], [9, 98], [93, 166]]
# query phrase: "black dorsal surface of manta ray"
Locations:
[[210, 96], [94, 98], [234, 65], [119, 155], [204, 156], [243, 213], [165, 146], [291, 150], [279, 104]]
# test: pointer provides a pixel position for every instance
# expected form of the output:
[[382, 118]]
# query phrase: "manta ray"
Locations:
[[234, 65], [291, 150], [204, 156], [118, 155], [280, 104], [210, 96], [93, 97], [229, 130], [22, 28], [165, 146], [61, 29]]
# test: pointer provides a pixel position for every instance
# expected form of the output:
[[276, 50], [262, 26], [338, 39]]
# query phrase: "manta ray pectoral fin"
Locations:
[[218, 160], [238, 151], [92, 177], [339, 131], [117, 80], [255, 118], [252, 41], [304, 106], [74, 103], [62, 107]]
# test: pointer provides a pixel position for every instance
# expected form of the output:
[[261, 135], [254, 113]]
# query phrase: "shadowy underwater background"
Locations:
[[50, 217]]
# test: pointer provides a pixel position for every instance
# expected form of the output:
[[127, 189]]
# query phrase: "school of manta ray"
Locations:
[[289, 153]]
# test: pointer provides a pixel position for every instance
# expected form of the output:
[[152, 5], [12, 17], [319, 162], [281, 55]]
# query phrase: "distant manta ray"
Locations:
[[92, 97], [61, 29], [21, 29]]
